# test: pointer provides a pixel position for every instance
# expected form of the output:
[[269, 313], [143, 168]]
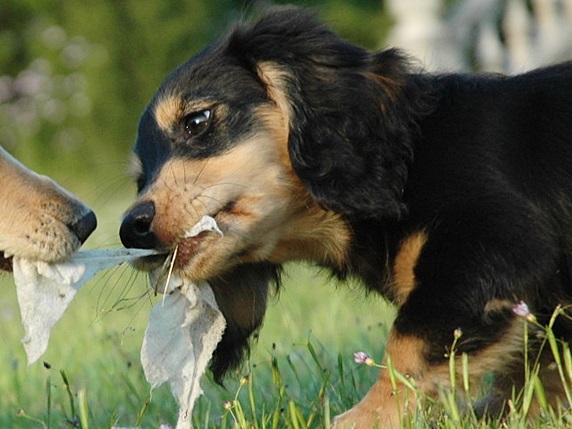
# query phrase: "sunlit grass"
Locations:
[[300, 374], [97, 344]]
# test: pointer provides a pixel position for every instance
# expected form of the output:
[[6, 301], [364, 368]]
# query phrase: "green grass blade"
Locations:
[[83, 413], [73, 414]]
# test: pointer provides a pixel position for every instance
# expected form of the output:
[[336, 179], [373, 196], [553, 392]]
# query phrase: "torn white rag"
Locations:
[[181, 337], [45, 290], [183, 330], [183, 333]]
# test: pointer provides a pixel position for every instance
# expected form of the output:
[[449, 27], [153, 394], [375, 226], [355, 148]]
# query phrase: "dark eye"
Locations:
[[196, 122]]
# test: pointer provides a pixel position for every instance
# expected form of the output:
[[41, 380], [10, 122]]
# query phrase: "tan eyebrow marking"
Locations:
[[167, 111], [170, 109]]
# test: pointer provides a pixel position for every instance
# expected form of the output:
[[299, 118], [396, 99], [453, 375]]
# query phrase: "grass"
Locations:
[[97, 342], [300, 374]]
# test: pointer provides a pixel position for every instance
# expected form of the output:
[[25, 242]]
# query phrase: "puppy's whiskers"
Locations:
[[169, 273], [167, 267], [200, 171]]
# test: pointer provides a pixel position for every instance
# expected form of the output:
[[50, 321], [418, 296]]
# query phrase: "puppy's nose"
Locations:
[[135, 229], [84, 226]]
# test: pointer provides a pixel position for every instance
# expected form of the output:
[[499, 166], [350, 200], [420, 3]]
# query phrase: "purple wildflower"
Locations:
[[521, 310], [363, 357]]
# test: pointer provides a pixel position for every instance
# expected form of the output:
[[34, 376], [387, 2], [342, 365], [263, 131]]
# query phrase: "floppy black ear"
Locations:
[[351, 113]]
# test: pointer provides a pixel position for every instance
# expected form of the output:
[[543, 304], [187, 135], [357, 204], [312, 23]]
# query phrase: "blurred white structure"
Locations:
[[490, 35]]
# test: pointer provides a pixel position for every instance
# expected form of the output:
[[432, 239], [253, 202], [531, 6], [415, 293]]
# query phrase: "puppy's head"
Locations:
[[39, 219], [283, 133]]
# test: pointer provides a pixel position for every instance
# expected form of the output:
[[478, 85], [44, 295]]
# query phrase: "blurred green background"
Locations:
[[75, 75]]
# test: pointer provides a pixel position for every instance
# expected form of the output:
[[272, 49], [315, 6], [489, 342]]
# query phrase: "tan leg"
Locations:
[[388, 402]]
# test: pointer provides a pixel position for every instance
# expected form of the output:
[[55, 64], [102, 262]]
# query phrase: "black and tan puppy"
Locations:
[[451, 195]]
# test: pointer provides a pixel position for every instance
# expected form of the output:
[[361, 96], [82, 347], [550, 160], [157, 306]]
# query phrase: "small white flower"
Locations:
[[521, 310], [363, 357]]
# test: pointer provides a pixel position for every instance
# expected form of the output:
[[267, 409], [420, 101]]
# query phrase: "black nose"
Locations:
[[84, 226], [135, 229]]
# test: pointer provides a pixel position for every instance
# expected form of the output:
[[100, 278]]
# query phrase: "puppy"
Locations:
[[38, 219], [451, 195]]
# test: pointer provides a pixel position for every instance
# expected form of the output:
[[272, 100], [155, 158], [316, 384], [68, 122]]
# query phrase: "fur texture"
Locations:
[[38, 218], [451, 195]]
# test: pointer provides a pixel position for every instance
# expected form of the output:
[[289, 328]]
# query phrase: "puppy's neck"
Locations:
[[316, 235]]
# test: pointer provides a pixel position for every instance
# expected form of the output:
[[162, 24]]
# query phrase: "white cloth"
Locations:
[[45, 290], [183, 332]]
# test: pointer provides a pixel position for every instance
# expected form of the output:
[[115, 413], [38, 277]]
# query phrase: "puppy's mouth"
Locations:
[[189, 247], [182, 251], [5, 262], [151, 263]]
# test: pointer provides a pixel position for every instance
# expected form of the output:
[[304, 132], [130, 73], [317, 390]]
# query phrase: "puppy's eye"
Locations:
[[196, 122]]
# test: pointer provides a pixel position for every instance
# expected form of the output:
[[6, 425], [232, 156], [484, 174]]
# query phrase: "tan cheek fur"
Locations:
[[185, 190]]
